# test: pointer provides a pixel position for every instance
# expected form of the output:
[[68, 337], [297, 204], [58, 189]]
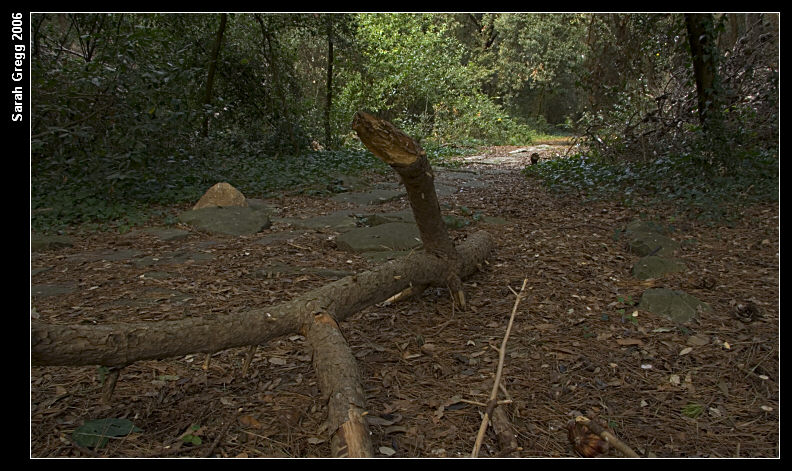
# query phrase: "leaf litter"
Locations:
[[571, 350]]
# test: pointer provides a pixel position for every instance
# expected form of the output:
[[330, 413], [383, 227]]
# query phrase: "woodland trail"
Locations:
[[578, 346]]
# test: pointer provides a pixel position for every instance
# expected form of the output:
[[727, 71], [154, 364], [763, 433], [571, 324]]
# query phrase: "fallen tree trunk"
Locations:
[[315, 314], [120, 344]]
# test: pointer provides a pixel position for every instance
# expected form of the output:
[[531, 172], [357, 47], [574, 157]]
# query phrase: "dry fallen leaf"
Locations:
[[249, 421], [698, 340], [629, 341], [387, 451]]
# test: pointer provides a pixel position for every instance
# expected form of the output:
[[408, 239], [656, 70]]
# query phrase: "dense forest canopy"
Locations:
[[141, 109]]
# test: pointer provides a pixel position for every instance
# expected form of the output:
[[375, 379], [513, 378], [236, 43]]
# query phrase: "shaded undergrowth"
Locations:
[[691, 188], [91, 196]]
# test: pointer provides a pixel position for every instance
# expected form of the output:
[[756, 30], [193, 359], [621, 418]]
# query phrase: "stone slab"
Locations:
[[340, 221], [232, 220], [646, 243], [273, 237], [393, 236], [369, 198], [673, 304], [655, 267]]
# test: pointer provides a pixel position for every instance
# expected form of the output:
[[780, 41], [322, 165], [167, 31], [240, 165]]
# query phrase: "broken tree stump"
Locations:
[[408, 159]]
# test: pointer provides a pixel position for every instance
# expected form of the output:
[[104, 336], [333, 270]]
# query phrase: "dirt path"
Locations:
[[705, 389]]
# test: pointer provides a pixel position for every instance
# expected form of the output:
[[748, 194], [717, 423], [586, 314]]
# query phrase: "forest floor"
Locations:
[[578, 346]]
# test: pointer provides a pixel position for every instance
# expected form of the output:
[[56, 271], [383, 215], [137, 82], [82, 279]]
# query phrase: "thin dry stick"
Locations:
[[494, 394], [248, 358], [109, 384], [220, 436]]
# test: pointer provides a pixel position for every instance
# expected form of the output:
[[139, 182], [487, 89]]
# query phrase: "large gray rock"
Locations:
[[655, 267], [393, 236], [649, 238], [231, 220], [675, 305], [261, 205]]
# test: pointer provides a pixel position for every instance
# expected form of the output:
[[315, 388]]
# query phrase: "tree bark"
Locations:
[[329, 102], [339, 381], [207, 99], [120, 344], [704, 52], [408, 159]]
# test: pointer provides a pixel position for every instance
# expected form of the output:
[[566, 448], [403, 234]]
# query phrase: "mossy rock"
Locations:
[[647, 226], [655, 267], [231, 220], [651, 243], [394, 236], [674, 304]]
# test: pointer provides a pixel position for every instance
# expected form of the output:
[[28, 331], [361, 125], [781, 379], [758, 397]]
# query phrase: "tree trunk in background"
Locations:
[[329, 102], [207, 100], [701, 36]]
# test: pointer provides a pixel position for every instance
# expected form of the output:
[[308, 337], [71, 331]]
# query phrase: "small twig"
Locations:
[[608, 437], [210, 450], [109, 385], [288, 242], [481, 404], [505, 392], [501, 357], [248, 358]]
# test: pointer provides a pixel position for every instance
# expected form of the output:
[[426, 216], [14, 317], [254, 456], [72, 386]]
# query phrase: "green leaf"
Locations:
[[96, 433], [693, 410], [195, 440]]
